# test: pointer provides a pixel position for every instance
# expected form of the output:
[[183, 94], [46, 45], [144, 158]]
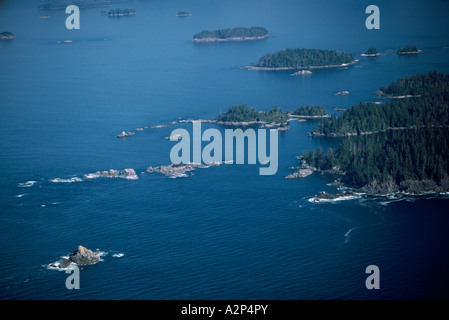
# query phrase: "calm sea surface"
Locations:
[[224, 232]]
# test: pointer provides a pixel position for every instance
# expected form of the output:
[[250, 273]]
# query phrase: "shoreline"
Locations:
[[207, 40], [256, 68], [371, 55], [373, 188], [310, 117], [350, 134], [410, 52]]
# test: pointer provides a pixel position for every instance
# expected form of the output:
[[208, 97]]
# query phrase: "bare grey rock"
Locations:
[[129, 172], [176, 170], [84, 257], [125, 134], [303, 171]]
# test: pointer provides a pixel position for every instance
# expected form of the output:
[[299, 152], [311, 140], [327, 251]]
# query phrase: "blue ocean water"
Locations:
[[224, 232]]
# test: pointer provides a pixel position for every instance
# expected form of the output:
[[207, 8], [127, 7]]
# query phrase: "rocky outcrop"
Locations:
[[129, 173], [176, 170], [108, 174], [327, 197], [303, 171], [302, 73], [111, 173], [379, 188], [6, 36], [160, 126], [417, 187], [125, 134], [82, 257]]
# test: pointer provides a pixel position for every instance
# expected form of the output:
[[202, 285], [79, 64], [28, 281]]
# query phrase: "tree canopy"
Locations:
[[417, 150], [238, 32], [304, 58], [244, 113]]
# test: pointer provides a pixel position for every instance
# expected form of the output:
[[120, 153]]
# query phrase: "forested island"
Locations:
[[371, 52], [121, 12], [244, 115], [310, 112], [409, 50], [235, 34], [183, 14], [426, 106], [407, 149], [6, 36], [294, 59]]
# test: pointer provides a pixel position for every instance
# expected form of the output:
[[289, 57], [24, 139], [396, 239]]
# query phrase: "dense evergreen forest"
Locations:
[[6, 35], [244, 113], [239, 32], [396, 156], [418, 153], [408, 49], [304, 58], [371, 51], [310, 111], [429, 107], [430, 84], [121, 12]]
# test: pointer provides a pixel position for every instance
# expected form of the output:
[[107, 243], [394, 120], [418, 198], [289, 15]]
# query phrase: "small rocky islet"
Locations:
[[81, 257]]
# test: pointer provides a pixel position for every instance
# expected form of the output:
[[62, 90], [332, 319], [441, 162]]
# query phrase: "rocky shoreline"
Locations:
[[371, 55], [200, 40], [302, 73], [6, 36], [410, 52], [81, 257], [256, 68], [351, 134], [178, 170], [408, 187], [331, 197]]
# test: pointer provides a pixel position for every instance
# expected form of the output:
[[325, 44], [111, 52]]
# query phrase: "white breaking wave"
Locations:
[[27, 184], [178, 175], [91, 176], [342, 198], [56, 265], [118, 255], [347, 234], [132, 177], [70, 180]]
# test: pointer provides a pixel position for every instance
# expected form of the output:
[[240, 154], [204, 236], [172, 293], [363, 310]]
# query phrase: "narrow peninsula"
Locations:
[[395, 147]]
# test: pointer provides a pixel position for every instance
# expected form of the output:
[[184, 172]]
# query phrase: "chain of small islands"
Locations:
[[391, 147]]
